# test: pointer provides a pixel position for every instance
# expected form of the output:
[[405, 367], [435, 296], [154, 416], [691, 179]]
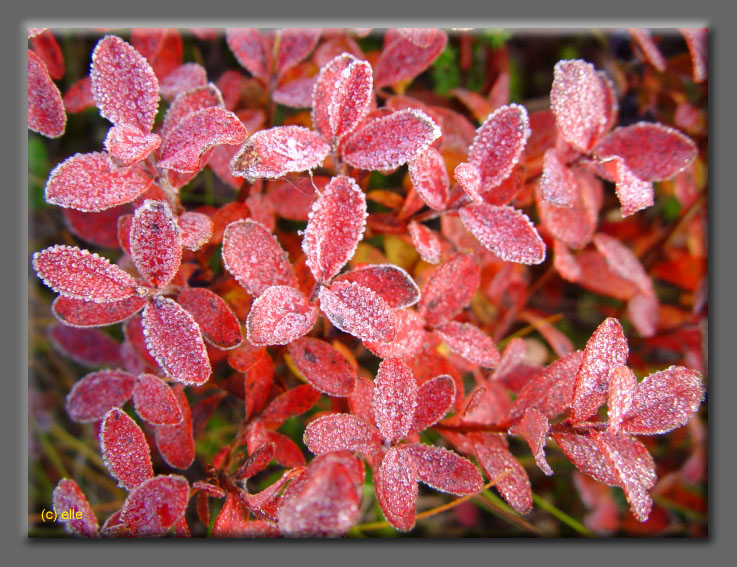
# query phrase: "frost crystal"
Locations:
[[396, 488], [217, 322], [395, 399], [68, 496], [426, 241], [323, 366], [156, 243], [155, 402], [97, 393], [403, 59], [196, 229], [156, 505], [359, 311], [430, 178], [128, 145], [434, 399], [46, 113], [124, 450], [342, 431], [175, 442], [392, 283], [449, 289], [278, 316], [182, 79]]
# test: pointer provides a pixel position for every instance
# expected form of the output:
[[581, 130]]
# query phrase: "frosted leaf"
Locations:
[[32, 32], [124, 85], [277, 151], [583, 452], [402, 59], [605, 350], [645, 42], [392, 283], [558, 184], [94, 395], [155, 402], [80, 274], [573, 224], [623, 262], [90, 347], [335, 226], [248, 48], [68, 496], [324, 91], [46, 113], [156, 243], [196, 229], [622, 388], [324, 367], [335, 45], [125, 450], [262, 210], [427, 242], [294, 45], [468, 177], [430, 178], [259, 379], [359, 311], [156, 505], [664, 401], [128, 145], [341, 431], [421, 37], [594, 274], [550, 391], [633, 193], [182, 79], [408, 340], [162, 48], [233, 518], [186, 146], [256, 462], [229, 85], [78, 97], [296, 93], [396, 488], [188, 102], [255, 258], [176, 442], [287, 452], [512, 356], [293, 402], [611, 103], [697, 41], [361, 400], [173, 338], [499, 144], [395, 399], [91, 182], [47, 48], [643, 312], [449, 289], [293, 199], [534, 427], [434, 399], [389, 141], [578, 99], [470, 342], [565, 262], [278, 316], [505, 231], [498, 463], [444, 470], [217, 322], [135, 340]]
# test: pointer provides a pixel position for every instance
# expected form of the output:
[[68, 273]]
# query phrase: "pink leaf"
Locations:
[[294, 401], [572, 224], [444, 470], [633, 193], [124, 85], [46, 113], [91, 182], [187, 103], [643, 311], [335, 226], [97, 393], [565, 262], [697, 41], [468, 177], [359, 311], [278, 316], [173, 338], [229, 84], [389, 141], [408, 340], [156, 505], [402, 59], [396, 488], [79, 274], [187, 145], [498, 463], [390, 282], [124, 450], [255, 258], [47, 48], [605, 350], [427, 242], [578, 99], [90, 347], [155, 402], [294, 45], [216, 320], [623, 262], [296, 93], [534, 427], [156, 243], [395, 399], [196, 229], [324, 367], [558, 184], [80, 313], [505, 231], [162, 48], [430, 178], [249, 49], [649, 49], [341, 431], [583, 452], [176, 442], [449, 289], [277, 151], [128, 145], [622, 388], [68, 496], [361, 401], [470, 342], [182, 79], [434, 399], [78, 97], [293, 199]]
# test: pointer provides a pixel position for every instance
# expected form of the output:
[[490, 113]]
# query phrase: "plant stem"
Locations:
[[562, 516], [498, 507]]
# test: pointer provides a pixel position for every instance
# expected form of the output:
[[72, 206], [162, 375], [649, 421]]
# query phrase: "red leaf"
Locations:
[[78, 97], [94, 395], [296, 93], [623, 262], [91, 182], [505, 231], [278, 316], [336, 224], [277, 151], [124, 450], [402, 59], [643, 312], [176, 442], [124, 86], [361, 401], [128, 145], [585, 454], [156, 505], [421, 37], [605, 350], [46, 47], [46, 113], [427, 242], [186, 146], [449, 289], [408, 340], [256, 462], [558, 184], [594, 274], [622, 388], [324, 367], [534, 427], [162, 48], [468, 177], [390, 282], [470, 342], [173, 338], [395, 399], [68, 496], [286, 453], [156, 243], [80, 274], [633, 193], [359, 311], [187, 103], [232, 520], [229, 84], [249, 49], [294, 45], [259, 377], [444, 470], [155, 402], [341, 431], [182, 79], [663, 401], [90, 347], [697, 41], [500, 465], [578, 99], [430, 178], [294, 401], [396, 488], [573, 224], [293, 199], [434, 399], [389, 141], [649, 49], [196, 229], [217, 322]]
